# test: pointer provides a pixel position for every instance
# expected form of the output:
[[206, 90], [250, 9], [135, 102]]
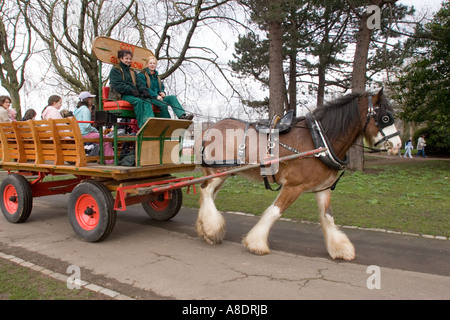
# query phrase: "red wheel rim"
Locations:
[[10, 199], [86, 212], [159, 205]]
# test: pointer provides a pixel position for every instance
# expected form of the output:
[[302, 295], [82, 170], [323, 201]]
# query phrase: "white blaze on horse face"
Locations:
[[394, 143]]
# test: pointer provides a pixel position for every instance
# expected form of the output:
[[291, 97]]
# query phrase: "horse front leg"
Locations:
[[256, 240], [337, 243], [210, 223]]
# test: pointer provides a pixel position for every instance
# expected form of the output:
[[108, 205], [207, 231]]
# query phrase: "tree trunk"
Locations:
[[277, 89], [321, 86], [293, 84], [356, 152]]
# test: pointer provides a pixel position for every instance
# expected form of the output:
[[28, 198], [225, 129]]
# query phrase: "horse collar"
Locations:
[[321, 141]]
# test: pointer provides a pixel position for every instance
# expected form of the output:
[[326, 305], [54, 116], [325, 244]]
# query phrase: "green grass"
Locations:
[[20, 283], [407, 197]]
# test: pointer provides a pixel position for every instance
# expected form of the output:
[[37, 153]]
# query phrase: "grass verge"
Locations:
[[21, 283]]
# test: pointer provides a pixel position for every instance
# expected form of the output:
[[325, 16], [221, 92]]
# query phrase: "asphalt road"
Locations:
[[385, 249], [166, 260]]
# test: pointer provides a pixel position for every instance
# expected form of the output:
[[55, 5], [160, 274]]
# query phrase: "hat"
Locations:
[[85, 94]]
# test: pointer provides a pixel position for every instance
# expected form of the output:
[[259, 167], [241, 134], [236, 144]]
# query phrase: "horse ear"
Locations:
[[379, 95]]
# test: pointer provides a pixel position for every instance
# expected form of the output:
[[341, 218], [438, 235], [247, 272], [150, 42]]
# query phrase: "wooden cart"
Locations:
[[39, 148]]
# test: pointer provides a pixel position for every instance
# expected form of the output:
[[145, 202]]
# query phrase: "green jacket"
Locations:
[[152, 82], [120, 78]]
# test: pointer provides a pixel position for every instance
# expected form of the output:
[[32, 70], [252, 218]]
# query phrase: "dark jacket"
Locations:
[[121, 80], [152, 82]]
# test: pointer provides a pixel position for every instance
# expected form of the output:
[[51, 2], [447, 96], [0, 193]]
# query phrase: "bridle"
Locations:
[[386, 121]]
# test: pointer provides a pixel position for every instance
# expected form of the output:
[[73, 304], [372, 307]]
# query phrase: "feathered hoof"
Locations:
[[344, 251], [210, 236], [256, 247]]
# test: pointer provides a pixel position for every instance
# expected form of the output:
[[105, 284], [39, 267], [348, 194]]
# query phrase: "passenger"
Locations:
[[83, 113], [51, 111], [5, 103], [156, 89], [12, 114], [30, 114], [125, 81]]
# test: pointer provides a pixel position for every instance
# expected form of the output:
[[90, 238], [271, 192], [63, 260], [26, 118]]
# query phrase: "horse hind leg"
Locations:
[[210, 223], [337, 243]]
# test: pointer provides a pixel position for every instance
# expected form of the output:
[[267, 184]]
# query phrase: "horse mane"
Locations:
[[337, 116]]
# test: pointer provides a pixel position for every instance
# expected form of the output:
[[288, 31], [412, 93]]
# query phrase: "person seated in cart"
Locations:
[[5, 103], [83, 113], [51, 111], [131, 88], [159, 98]]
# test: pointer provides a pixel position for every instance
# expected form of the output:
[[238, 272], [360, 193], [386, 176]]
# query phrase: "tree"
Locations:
[[16, 49], [269, 15], [309, 29], [68, 27], [331, 21], [359, 77], [423, 89]]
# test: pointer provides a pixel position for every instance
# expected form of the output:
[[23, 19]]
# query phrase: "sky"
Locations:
[[37, 100], [432, 5]]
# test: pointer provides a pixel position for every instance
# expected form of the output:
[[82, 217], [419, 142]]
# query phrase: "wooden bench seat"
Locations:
[[54, 141]]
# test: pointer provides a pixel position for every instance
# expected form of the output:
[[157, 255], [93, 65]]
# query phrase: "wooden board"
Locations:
[[150, 154], [154, 127], [105, 49], [118, 173]]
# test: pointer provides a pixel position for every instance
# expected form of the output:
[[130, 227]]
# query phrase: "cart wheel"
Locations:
[[91, 211], [17, 200], [164, 209]]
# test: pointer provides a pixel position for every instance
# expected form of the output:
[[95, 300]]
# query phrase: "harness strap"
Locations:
[[333, 186], [242, 146], [266, 180], [386, 138]]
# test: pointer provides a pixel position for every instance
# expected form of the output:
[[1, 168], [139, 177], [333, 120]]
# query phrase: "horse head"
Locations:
[[379, 128]]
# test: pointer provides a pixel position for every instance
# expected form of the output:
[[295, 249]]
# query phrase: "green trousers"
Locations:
[[173, 102], [142, 108]]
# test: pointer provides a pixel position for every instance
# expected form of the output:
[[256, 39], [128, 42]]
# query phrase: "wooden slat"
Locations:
[[39, 158], [59, 159]]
